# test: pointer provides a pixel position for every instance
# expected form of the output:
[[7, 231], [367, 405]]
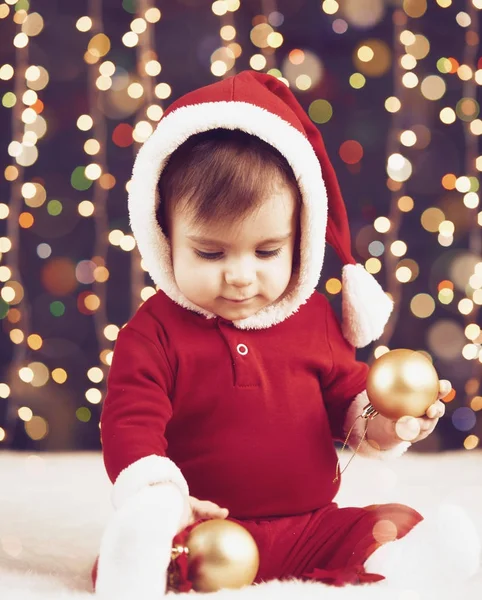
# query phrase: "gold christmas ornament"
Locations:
[[221, 554], [402, 383]]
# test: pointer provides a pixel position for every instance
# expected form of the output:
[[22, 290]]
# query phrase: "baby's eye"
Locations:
[[209, 255], [268, 253]]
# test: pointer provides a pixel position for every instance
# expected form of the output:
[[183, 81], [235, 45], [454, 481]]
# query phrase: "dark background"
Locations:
[[60, 416]]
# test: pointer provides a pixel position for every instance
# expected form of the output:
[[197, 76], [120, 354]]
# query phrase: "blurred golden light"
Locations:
[[375, 60], [365, 53], [154, 112], [333, 286], [466, 306], [115, 237], [398, 248], [86, 208], [111, 332], [37, 428], [433, 87], [93, 395], [6, 72], [357, 81], [85, 122], [259, 35], [219, 8], [410, 80], [99, 45], [420, 47], [91, 147], [93, 171], [33, 24], [399, 168], [84, 24], [463, 19], [4, 390], [25, 413], [92, 302], [330, 7], [128, 243], [407, 38], [163, 90], [471, 200], [20, 40], [34, 341], [153, 68], [403, 274], [471, 442], [373, 265], [130, 39], [147, 292], [472, 331], [408, 62], [26, 374], [59, 376], [408, 138], [152, 15], [422, 306], [393, 104], [227, 33], [138, 25], [135, 90], [95, 374], [448, 116], [257, 62]]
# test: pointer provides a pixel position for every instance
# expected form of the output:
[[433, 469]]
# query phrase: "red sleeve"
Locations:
[[137, 406], [346, 379]]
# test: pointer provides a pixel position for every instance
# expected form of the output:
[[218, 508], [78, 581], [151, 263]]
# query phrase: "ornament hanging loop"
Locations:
[[368, 414]]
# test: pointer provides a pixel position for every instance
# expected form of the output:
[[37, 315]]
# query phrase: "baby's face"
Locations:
[[235, 270]]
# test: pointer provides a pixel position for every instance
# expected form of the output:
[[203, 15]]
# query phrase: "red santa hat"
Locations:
[[261, 105]]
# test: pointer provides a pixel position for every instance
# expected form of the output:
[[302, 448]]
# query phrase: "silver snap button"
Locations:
[[242, 349]]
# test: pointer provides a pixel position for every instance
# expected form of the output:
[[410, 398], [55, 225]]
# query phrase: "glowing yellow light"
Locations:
[[163, 90], [462, 184], [233, 5], [444, 3], [4, 390], [398, 248], [84, 24], [219, 8], [333, 286], [399, 168], [465, 73], [91, 147], [153, 15], [471, 200], [433, 87], [446, 228], [410, 80], [86, 208], [26, 374], [408, 138], [154, 112], [275, 39], [365, 53], [463, 19], [465, 306], [32, 73], [93, 395], [138, 25], [476, 127], [8, 294], [37, 428], [5, 244], [85, 122], [93, 171], [478, 76], [59, 375], [107, 68], [115, 237], [5, 273], [330, 7], [135, 90], [29, 116], [472, 331], [147, 292], [373, 265], [153, 68], [219, 68], [128, 243], [34, 341], [130, 39], [403, 274], [25, 413], [382, 224], [407, 38], [422, 306], [20, 40], [30, 97], [447, 115], [471, 441], [357, 81], [4, 211], [393, 104], [142, 131], [408, 62], [6, 72], [470, 351], [257, 62], [303, 82], [227, 33], [111, 332]]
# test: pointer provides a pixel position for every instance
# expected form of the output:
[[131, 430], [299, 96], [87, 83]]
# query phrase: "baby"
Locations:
[[230, 385]]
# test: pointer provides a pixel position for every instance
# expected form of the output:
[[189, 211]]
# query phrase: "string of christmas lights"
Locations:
[[223, 60]]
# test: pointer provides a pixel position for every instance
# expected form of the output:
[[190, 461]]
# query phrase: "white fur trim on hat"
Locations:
[[176, 128], [145, 472], [365, 306], [366, 448]]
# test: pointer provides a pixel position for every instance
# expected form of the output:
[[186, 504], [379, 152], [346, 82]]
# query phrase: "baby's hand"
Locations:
[[434, 412], [204, 509]]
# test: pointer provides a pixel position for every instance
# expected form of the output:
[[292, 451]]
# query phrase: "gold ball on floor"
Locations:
[[222, 554], [402, 382]]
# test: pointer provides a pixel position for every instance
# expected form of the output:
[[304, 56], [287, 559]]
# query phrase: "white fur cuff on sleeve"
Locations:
[[147, 471], [367, 448]]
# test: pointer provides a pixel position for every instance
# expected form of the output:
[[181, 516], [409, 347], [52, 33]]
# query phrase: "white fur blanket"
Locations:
[[53, 508]]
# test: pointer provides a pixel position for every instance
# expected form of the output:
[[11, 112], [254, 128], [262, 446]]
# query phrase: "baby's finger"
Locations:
[[436, 410], [210, 510], [444, 387]]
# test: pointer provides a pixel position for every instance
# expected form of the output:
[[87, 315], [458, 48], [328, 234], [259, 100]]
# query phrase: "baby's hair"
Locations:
[[221, 175]]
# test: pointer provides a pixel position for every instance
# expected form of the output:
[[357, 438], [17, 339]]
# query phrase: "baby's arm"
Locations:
[[150, 494]]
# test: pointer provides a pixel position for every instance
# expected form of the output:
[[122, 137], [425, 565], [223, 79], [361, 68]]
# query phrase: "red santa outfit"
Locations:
[[242, 413]]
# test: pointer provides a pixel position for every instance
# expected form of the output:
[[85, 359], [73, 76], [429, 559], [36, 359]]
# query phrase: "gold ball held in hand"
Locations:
[[221, 554], [402, 383]]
